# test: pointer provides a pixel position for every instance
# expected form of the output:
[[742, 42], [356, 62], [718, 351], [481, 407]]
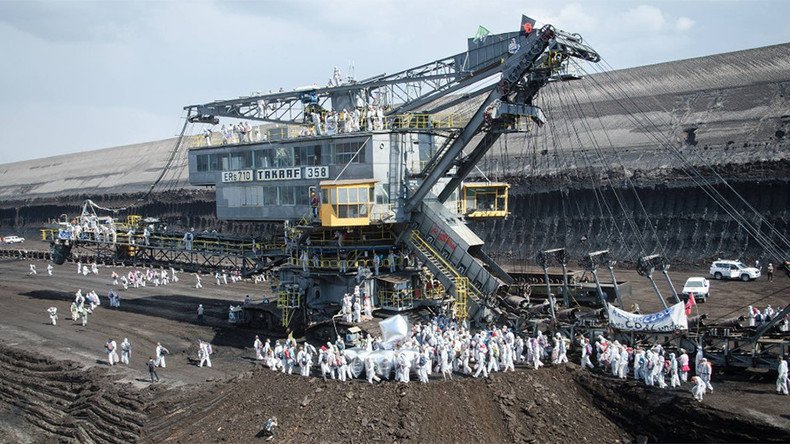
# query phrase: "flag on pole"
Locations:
[[690, 303], [481, 34]]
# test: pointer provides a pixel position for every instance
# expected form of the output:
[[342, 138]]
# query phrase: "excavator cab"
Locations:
[[346, 203], [481, 200]]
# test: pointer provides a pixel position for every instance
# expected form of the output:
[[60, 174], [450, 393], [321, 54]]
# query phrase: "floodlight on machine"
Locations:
[[646, 265]]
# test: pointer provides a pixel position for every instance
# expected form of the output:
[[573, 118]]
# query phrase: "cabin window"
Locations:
[[287, 195], [202, 162], [345, 152], [264, 158], [241, 161], [308, 155], [283, 157], [269, 196]]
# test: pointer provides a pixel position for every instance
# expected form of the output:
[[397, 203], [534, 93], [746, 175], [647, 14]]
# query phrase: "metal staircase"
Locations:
[[434, 160], [458, 285]]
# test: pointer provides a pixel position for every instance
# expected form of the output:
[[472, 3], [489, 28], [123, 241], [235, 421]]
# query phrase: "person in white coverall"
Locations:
[[698, 389], [84, 316], [303, 360], [204, 353], [481, 363], [562, 352], [705, 371], [781, 380], [370, 370], [160, 355], [423, 362], [112, 353], [586, 352], [674, 380], [126, 351], [623, 369], [53, 315], [258, 346]]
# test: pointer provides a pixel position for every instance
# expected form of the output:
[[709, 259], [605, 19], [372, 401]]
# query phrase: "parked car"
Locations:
[[699, 286], [728, 269], [13, 239]]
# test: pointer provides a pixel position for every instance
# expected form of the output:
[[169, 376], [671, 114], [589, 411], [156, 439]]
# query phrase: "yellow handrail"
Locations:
[[397, 299], [415, 235], [461, 296]]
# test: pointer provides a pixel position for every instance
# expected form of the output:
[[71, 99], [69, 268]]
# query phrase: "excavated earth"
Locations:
[[57, 385]]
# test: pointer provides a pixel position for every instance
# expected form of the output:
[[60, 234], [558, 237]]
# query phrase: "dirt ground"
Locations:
[[57, 384], [728, 298]]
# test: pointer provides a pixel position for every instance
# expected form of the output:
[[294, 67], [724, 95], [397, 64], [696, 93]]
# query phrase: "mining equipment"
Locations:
[[393, 194]]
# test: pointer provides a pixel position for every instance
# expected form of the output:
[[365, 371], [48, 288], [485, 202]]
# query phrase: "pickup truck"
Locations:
[[699, 287]]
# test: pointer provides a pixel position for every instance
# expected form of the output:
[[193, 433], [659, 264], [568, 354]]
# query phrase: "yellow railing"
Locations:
[[288, 299], [121, 238], [355, 259], [396, 299], [436, 292], [424, 121], [392, 121], [288, 302], [461, 296], [415, 236], [262, 135], [450, 121], [415, 121]]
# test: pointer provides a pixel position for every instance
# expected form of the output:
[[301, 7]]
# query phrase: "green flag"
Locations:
[[482, 32]]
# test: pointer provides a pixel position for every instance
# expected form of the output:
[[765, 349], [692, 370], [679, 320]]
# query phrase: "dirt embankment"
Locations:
[[46, 400], [44, 396], [674, 416], [43, 399], [545, 406]]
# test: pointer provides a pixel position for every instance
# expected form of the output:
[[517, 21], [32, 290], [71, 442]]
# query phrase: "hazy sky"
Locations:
[[80, 75]]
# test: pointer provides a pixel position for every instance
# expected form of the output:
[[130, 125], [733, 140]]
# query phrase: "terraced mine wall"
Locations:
[[545, 213], [688, 226]]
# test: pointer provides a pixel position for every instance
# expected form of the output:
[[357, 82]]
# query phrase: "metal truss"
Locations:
[[404, 91]]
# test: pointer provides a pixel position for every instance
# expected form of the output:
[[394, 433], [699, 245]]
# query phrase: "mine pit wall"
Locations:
[[546, 212], [690, 226]]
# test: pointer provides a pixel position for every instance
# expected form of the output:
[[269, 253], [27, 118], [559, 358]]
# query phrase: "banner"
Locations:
[[668, 320]]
